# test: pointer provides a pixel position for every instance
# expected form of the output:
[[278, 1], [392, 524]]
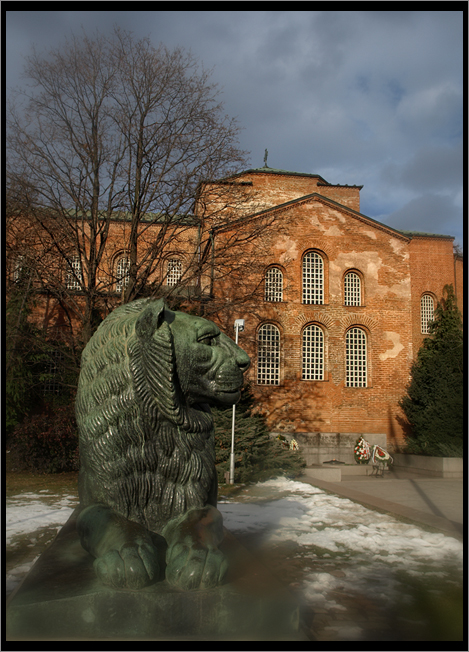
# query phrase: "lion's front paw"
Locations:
[[133, 566], [191, 568]]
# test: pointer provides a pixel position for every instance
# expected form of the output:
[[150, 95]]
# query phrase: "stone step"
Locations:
[[335, 472]]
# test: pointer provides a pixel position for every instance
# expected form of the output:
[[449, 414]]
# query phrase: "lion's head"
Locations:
[[146, 435]]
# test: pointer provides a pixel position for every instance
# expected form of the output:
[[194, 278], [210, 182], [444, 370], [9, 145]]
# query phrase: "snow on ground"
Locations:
[[28, 512], [351, 549], [373, 549], [32, 521]]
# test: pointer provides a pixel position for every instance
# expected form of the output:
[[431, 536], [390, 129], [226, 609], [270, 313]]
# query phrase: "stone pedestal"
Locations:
[[61, 599]]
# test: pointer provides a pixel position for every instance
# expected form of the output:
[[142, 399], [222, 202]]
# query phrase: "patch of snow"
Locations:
[[365, 550], [28, 512], [373, 545]]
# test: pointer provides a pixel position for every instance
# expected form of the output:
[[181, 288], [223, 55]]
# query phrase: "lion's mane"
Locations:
[[144, 451]]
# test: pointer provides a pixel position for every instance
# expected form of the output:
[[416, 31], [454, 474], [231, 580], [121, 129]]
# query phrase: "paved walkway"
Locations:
[[437, 502]]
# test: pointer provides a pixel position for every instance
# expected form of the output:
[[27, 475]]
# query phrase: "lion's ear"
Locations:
[[150, 319]]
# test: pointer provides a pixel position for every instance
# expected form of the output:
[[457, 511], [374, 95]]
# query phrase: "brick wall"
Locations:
[[394, 270]]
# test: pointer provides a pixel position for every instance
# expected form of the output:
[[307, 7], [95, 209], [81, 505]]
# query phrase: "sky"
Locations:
[[372, 98]]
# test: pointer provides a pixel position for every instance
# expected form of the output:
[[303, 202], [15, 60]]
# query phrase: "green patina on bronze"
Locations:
[[147, 484]]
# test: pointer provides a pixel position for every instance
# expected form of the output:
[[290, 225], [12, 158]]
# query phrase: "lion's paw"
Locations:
[[190, 568], [133, 566]]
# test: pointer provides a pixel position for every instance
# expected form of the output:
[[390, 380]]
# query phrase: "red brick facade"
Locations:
[[318, 364], [394, 270]]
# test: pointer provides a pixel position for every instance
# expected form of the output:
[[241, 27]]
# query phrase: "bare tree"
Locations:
[[113, 137]]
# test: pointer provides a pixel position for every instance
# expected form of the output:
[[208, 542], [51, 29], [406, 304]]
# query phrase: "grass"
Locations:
[[24, 482]]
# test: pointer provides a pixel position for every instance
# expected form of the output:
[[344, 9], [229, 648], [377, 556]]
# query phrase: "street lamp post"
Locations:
[[239, 327]]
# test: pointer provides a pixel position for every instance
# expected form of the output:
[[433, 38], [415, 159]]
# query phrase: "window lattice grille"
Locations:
[[313, 353], [268, 355], [274, 284], [352, 289], [313, 278], [426, 312], [52, 379], [122, 273], [174, 271], [355, 354], [74, 274], [18, 272]]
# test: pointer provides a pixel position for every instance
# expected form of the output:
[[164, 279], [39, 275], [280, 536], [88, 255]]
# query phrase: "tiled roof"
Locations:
[[421, 234], [321, 182]]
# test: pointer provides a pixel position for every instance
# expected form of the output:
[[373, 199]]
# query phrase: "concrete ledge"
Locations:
[[452, 528], [441, 467], [61, 599], [320, 473], [336, 473]]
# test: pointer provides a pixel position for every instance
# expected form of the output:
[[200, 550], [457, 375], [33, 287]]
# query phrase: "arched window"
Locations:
[[313, 278], [173, 271], [52, 378], [313, 353], [268, 355], [426, 312], [355, 356], [352, 289], [74, 276], [19, 270], [122, 273], [274, 284]]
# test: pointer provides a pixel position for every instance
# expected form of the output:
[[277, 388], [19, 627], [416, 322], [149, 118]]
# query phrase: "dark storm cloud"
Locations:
[[434, 169], [360, 97], [436, 214]]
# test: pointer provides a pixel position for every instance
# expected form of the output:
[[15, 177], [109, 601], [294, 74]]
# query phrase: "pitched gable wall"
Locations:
[[383, 264], [394, 270]]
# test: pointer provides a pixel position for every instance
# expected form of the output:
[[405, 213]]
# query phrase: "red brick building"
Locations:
[[336, 304], [343, 307]]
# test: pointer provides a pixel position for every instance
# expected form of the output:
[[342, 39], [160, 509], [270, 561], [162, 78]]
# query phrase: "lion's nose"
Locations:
[[243, 360]]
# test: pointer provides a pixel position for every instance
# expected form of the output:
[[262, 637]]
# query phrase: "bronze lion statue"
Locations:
[[148, 483]]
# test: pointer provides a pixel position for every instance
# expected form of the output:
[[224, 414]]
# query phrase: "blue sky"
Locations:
[[373, 98]]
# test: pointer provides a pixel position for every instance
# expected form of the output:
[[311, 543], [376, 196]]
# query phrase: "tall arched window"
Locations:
[[274, 284], [268, 355], [352, 289], [173, 271], [355, 357], [19, 270], [426, 312], [74, 276], [313, 353], [122, 273], [313, 278]]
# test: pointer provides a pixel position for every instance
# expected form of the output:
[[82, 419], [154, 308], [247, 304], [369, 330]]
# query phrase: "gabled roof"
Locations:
[[325, 200]]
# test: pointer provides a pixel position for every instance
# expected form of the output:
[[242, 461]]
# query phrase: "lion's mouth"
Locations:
[[230, 390], [229, 393]]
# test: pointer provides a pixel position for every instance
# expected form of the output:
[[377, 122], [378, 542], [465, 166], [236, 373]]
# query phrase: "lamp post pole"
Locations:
[[238, 326]]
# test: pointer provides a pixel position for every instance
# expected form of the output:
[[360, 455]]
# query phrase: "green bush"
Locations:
[[434, 403], [46, 442], [258, 457]]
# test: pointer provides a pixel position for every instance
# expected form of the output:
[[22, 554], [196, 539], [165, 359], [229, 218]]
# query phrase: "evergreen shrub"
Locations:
[[434, 403], [258, 457]]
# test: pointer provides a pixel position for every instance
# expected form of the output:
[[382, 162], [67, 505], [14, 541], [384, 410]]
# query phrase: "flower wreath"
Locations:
[[362, 452], [380, 455], [292, 444]]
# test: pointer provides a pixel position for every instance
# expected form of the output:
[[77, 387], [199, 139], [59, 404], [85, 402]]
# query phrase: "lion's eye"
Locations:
[[209, 340]]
